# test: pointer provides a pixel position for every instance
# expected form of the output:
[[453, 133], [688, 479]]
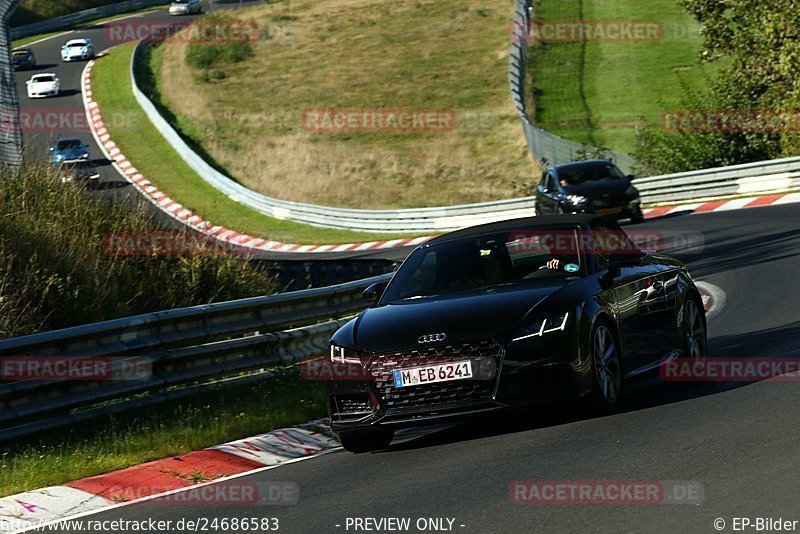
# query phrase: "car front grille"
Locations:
[[486, 357]]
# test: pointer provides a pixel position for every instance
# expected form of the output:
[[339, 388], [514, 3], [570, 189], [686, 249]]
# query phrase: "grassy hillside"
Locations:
[[596, 92], [56, 269], [447, 55]]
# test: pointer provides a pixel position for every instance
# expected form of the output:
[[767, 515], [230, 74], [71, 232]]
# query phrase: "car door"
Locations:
[[639, 299]]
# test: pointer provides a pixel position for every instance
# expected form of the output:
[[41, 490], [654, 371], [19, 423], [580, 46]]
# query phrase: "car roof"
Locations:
[[23, 49], [586, 220], [583, 164], [41, 74], [81, 40]]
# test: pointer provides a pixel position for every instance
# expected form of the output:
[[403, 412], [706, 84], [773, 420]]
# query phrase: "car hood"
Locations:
[[43, 85], [599, 189], [463, 315]]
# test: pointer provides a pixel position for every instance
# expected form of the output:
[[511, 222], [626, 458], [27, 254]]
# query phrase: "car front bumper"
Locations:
[[82, 57], [520, 379], [43, 94], [613, 210]]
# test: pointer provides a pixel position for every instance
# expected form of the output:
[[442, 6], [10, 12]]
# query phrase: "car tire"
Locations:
[[607, 365], [361, 441], [694, 340], [638, 216]]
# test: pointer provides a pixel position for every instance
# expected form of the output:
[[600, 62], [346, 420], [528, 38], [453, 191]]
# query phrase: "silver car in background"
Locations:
[[185, 7]]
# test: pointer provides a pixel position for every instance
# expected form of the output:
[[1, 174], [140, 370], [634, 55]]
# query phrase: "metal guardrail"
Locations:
[[189, 350], [67, 21]]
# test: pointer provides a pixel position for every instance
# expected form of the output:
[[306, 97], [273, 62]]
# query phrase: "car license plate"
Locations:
[[430, 375], [609, 211]]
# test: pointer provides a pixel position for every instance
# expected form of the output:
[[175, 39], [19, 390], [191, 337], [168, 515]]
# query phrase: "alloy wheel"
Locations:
[[694, 331], [607, 364]]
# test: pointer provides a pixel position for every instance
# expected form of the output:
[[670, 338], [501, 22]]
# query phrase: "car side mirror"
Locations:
[[374, 292], [631, 177]]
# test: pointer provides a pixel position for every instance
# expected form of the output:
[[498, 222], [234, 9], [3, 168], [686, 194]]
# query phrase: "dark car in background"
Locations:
[[509, 313], [77, 171], [595, 186], [69, 150], [23, 59]]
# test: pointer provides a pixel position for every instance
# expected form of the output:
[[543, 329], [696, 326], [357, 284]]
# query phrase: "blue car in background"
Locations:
[[69, 150]]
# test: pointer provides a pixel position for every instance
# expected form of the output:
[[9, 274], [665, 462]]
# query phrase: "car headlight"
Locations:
[[576, 199], [343, 355], [553, 323], [57, 158], [85, 156]]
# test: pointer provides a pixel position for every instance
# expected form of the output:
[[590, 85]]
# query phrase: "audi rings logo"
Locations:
[[431, 338]]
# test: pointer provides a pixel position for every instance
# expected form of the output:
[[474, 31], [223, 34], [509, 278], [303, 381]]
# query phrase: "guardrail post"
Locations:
[[10, 125]]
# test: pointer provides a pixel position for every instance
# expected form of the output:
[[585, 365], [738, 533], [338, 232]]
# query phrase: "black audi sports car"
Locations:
[[509, 313], [595, 186]]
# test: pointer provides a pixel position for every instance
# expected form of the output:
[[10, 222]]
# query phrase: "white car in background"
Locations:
[[43, 85], [185, 7], [77, 50]]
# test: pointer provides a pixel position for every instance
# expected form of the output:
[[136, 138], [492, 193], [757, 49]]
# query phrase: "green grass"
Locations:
[[596, 92], [163, 431], [57, 271], [365, 55], [154, 157]]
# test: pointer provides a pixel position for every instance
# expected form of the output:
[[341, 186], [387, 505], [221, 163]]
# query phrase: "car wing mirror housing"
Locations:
[[374, 292]]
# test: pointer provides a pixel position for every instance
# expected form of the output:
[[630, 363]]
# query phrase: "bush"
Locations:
[[56, 270], [217, 40]]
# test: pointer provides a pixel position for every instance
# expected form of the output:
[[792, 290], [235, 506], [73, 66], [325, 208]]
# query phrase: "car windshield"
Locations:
[[69, 143], [44, 78], [79, 44], [509, 257], [581, 174]]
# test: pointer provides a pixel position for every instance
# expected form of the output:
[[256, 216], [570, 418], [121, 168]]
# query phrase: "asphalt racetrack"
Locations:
[[738, 441]]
